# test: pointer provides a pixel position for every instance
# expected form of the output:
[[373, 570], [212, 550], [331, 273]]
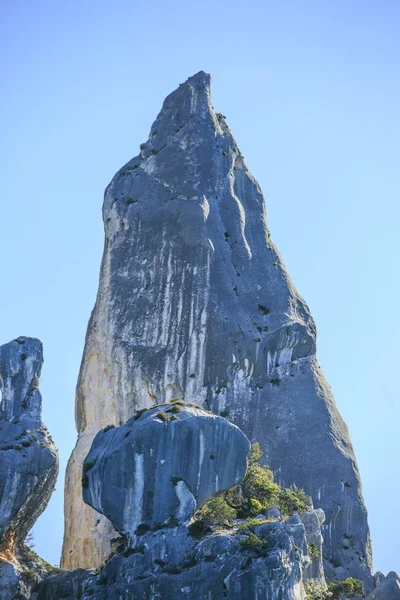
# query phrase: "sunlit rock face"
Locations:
[[194, 301]]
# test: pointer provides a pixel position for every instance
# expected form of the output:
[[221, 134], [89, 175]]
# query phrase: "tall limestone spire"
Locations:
[[195, 301]]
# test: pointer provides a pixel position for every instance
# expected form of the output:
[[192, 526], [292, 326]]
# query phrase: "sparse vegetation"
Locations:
[[251, 497], [335, 591], [253, 543], [313, 551], [215, 512], [163, 416], [348, 587]]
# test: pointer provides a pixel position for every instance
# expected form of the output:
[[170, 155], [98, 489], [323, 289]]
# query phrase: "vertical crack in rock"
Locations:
[[195, 301]]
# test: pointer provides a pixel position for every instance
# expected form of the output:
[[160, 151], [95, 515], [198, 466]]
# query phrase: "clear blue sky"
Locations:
[[311, 90]]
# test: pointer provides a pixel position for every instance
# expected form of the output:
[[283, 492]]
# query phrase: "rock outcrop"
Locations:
[[132, 475], [195, 301], [159, 468], [28, 464], [28, 457], [388, 589], [171, 565]]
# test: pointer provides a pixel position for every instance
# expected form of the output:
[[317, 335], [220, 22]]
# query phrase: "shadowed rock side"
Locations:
[[158, 469], [194, 301], [28, 464]]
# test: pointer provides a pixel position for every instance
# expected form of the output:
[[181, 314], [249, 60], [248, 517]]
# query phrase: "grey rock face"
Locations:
[[161, 467], [11, 584], [312, 521], [194, 301], [28, 457], [170, 565], [388, 589]]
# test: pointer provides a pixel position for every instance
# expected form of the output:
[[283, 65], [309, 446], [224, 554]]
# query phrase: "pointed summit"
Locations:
[[195, 302]]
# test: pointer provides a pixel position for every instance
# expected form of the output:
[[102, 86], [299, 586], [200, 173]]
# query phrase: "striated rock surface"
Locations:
[[388, 589], [28, 457], [194, 301], [28, 465], [158, 469]]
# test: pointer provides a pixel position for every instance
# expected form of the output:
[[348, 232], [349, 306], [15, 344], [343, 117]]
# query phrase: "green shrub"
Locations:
[[313, 551], [253, 543], [292, 501], [176, 408], [348, 587], [314, 591], [215, 512], [163, 416], [248, 526], [257, 491], [252, 496]]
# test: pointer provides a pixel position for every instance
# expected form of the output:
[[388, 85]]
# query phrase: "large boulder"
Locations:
[[28, 456], [159, 468], [194, 301]]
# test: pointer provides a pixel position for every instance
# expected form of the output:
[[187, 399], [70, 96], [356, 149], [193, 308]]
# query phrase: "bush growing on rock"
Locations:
[[255, 494], [348, 587], [258, 491], [293, 501], [215, 512], [335, 591]]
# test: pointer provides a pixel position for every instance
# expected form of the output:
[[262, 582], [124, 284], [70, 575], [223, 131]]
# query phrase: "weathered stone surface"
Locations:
[[28, 457], [170, 565], [388, 589], [158, 469], [11, 583], [195, 301], [28, 465], [312, 521]]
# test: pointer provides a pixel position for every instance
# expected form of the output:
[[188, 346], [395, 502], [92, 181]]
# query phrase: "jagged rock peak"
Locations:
[[388, 587], [194, 301]]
